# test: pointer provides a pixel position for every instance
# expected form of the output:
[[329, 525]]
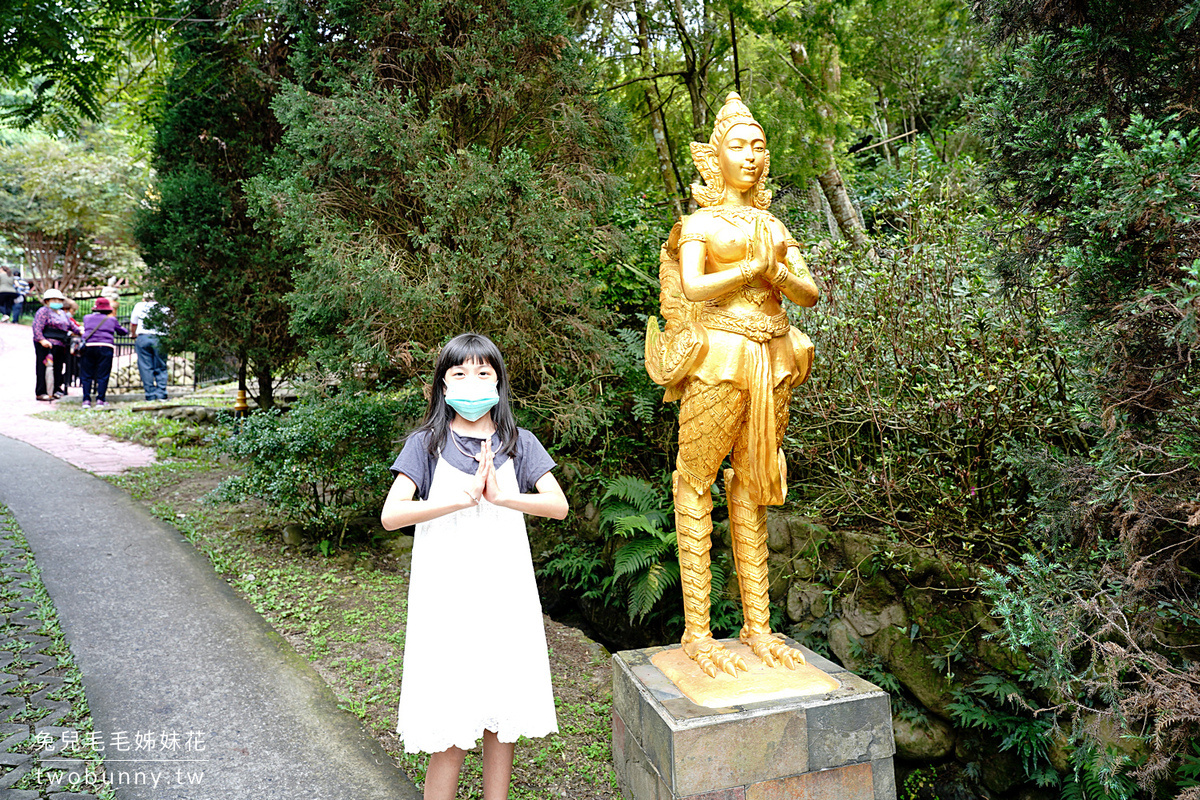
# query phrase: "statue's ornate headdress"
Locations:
[[734, 112]]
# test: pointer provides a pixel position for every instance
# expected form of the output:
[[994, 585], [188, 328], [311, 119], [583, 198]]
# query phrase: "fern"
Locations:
[[631, 525], [650, 588], [636, 492], [1188, 774], [638, 556]]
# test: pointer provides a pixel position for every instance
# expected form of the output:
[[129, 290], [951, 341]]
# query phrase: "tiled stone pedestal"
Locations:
[[832, 746]]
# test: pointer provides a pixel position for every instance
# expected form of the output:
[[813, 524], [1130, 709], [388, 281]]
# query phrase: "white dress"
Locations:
[[475, 654]]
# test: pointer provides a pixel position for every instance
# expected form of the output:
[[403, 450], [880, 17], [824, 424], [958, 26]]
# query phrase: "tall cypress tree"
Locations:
[[445, 165], [224, 280]]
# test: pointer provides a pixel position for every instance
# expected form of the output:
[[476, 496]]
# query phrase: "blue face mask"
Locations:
[[471, 398], [56, 306]]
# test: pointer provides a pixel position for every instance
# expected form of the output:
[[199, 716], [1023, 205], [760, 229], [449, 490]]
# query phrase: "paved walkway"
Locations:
[[166, 648], [99, 455]]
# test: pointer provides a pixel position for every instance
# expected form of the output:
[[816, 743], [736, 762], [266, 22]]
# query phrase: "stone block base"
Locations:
[[832, 746]]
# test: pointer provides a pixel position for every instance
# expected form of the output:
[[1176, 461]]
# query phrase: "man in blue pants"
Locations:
[[146, 324]]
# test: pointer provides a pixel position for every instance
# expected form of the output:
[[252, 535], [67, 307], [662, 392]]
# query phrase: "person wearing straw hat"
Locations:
[[99, 345], [52, 329]]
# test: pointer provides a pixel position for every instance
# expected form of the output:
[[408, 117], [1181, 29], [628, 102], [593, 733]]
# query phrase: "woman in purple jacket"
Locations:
[[52, 329], [96, 357]]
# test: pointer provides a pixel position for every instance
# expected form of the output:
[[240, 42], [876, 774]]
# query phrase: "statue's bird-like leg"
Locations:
[[693, 526], [709, 419]]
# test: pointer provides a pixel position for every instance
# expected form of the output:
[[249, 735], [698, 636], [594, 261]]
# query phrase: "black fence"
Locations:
[[182, 369]]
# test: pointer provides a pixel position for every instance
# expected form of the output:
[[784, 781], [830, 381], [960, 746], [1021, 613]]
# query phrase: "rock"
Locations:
[[400, 545], [1001, 771], [779, 534], [910, 664], [1108, 734], [589, 529], [841, 641], [779, 573], [1058, 751], [922, 740], [859, 547], [999, 657], [868, 622], [808, 537], [806, 601], [293, 535]]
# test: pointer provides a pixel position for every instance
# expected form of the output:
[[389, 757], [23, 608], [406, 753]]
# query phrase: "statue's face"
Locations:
[[743, 156]]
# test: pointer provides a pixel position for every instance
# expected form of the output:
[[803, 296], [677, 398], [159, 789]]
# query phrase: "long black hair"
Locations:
[[464, 349]]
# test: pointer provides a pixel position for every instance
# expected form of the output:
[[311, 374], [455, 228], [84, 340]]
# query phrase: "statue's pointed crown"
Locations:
[[732, 113]]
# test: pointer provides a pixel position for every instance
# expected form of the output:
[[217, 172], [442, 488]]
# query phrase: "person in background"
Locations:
[[144, 324], [99, 345], [23, 290], [52, 329], [72, 369], [8, 293]]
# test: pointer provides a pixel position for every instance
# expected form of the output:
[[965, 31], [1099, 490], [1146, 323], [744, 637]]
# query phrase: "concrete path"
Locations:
[[166, 649], [97, 454], [165, 646]]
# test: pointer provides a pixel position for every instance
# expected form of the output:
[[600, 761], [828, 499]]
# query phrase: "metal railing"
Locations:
[[182, 369]]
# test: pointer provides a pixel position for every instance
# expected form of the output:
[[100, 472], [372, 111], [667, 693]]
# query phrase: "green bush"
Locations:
[[927, 377], [325, 461]]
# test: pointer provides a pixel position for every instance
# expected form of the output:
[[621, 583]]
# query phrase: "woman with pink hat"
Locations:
[[99, 345], [52, 329]]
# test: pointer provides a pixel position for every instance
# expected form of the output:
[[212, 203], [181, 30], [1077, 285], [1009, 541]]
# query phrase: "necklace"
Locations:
[[745, 213], [454, 437]]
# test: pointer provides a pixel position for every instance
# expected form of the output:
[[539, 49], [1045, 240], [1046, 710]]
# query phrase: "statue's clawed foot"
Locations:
[[774, 652], [711, 657]]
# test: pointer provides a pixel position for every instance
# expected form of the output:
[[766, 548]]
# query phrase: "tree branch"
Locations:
[[642, 78]]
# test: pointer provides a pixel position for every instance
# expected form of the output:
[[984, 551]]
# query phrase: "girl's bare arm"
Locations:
[[548, 501], [400, 509]]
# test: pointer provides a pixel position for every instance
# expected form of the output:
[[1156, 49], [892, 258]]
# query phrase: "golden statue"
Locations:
[[729, 352]]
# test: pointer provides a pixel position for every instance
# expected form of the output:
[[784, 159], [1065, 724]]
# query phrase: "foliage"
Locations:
[[1188, 774], [925, 378], [66, 59], [647, 564], [639, 562], [224, 281], [1097, 777], [68, 204], [444, 167], [322, 463], [838, 70], [996, 704], [1091, 123], [1109, 653]]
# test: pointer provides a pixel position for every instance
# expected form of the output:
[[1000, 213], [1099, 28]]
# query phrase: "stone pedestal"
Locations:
[[836, 745]]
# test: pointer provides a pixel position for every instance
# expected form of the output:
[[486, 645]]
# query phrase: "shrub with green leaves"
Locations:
[[926, 376], [325, 461]]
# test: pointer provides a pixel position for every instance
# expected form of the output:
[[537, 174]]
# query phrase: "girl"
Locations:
[[475, 659]]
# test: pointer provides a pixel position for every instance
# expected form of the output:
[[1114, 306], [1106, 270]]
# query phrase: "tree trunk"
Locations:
[[829, 176], [848, 220], [658, 130], [823, 223], [266, 386], [695, 76]]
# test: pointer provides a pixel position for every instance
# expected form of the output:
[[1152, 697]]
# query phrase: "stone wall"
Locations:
[[887, 608]]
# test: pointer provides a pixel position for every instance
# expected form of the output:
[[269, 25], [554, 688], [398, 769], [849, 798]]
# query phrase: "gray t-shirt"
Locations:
[[531, 462]]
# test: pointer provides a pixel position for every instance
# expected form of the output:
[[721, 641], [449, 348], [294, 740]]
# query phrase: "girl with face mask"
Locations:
[[466, 477], [52, 330]]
